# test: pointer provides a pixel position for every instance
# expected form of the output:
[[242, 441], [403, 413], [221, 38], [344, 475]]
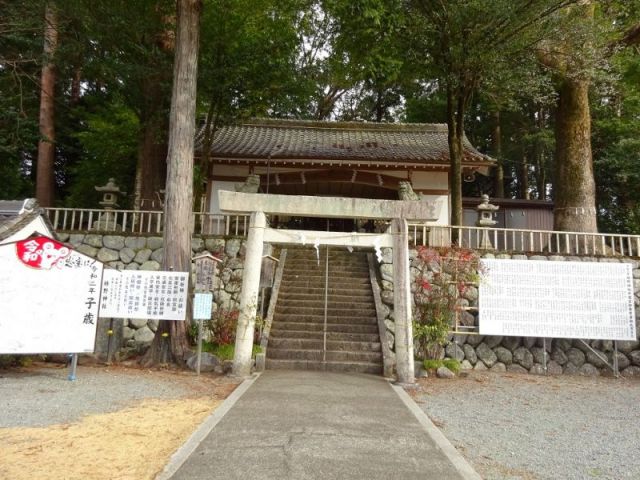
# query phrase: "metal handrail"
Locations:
[[145, 222], [530, 241]]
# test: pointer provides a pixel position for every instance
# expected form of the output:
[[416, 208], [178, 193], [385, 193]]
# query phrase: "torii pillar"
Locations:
[[249, 296], [402, 302]]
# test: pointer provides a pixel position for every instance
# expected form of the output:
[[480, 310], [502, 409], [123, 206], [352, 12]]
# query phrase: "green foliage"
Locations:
[[226, 351], [109, 147], [433, 364], [452, 364], [443, 277]]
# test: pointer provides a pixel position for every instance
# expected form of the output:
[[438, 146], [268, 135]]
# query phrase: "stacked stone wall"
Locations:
[[145, 253], [518, 354]]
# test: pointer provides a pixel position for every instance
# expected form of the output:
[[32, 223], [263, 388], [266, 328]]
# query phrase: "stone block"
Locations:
[[143, 255], [137, 322], [627, 346], [154, 243], [127, 255], [598, 358], [576, 357], [127, 333], [156, 255], [571, 369], [63, 237], [208, 362], [453, 350], [197, 244], [387, 297], [136, 243], [588, 370], [386, 272], [143, 335], [485, 354], [132, 266], [563, 344], [87, 250], [466, 365], [114, 242], [511, 343], [523, 357], [106, 255], [75, 239], [499, 367], [492, 341], [232, 248], [475, 340], [153, 324], [539, 355], [504, 355], [634, 356], [480, 366], [214, 245], [554, 368], [150, 266], [559, 356], [631, 372], [537, 369], [470, 354], [93, 240], [515, 368], [529, 342], [444, 372]]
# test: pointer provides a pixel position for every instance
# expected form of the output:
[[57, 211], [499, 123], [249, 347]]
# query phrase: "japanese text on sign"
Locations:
[[557, 299], [145, 295]]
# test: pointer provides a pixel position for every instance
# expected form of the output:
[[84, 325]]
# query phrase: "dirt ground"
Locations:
[[135, 442]]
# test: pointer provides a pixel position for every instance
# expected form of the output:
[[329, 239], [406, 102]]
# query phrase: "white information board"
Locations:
[[535, 298], [202, 306], [144, 294], [48, 298]]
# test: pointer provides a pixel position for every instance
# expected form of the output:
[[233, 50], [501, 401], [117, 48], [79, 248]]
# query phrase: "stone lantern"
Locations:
[[110, 195], [485, 219]]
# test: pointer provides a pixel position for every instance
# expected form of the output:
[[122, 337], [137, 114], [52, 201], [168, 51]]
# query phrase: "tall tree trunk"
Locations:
[[574, 186], [179, 189], [151, 167], [45, 173], [522, 174], [496, 147], [455, 123]]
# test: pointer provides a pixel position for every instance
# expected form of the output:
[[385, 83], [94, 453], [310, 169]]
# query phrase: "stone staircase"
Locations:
[[296, 339]]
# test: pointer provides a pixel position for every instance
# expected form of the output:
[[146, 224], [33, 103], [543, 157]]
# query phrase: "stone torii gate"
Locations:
[[258, 205]]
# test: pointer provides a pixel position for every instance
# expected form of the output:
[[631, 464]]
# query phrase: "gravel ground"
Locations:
[[528, 427], [42, 395]]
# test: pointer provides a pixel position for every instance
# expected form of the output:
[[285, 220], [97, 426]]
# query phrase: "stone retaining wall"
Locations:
[[145, 253], [518, 354]]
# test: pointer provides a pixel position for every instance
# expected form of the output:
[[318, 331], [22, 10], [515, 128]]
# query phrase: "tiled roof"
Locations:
[[262, 139], [17, 214]]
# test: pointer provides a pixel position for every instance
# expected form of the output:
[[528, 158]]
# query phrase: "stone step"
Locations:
[[316, 315], [342, 296], [356, 303], [319, 335], [331, 355], [359, 328], [334, 286], [332, 345], [293, 289], [347, 367], [306, 277]]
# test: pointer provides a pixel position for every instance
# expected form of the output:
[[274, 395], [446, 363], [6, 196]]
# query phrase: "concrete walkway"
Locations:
[[306, 425]]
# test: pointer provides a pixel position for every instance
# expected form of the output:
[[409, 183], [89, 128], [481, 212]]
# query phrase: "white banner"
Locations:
[[534, 298], [144, 294], [48, 298]]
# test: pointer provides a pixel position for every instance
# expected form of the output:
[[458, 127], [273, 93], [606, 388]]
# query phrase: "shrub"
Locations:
[[222, 326], [443, 277]]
